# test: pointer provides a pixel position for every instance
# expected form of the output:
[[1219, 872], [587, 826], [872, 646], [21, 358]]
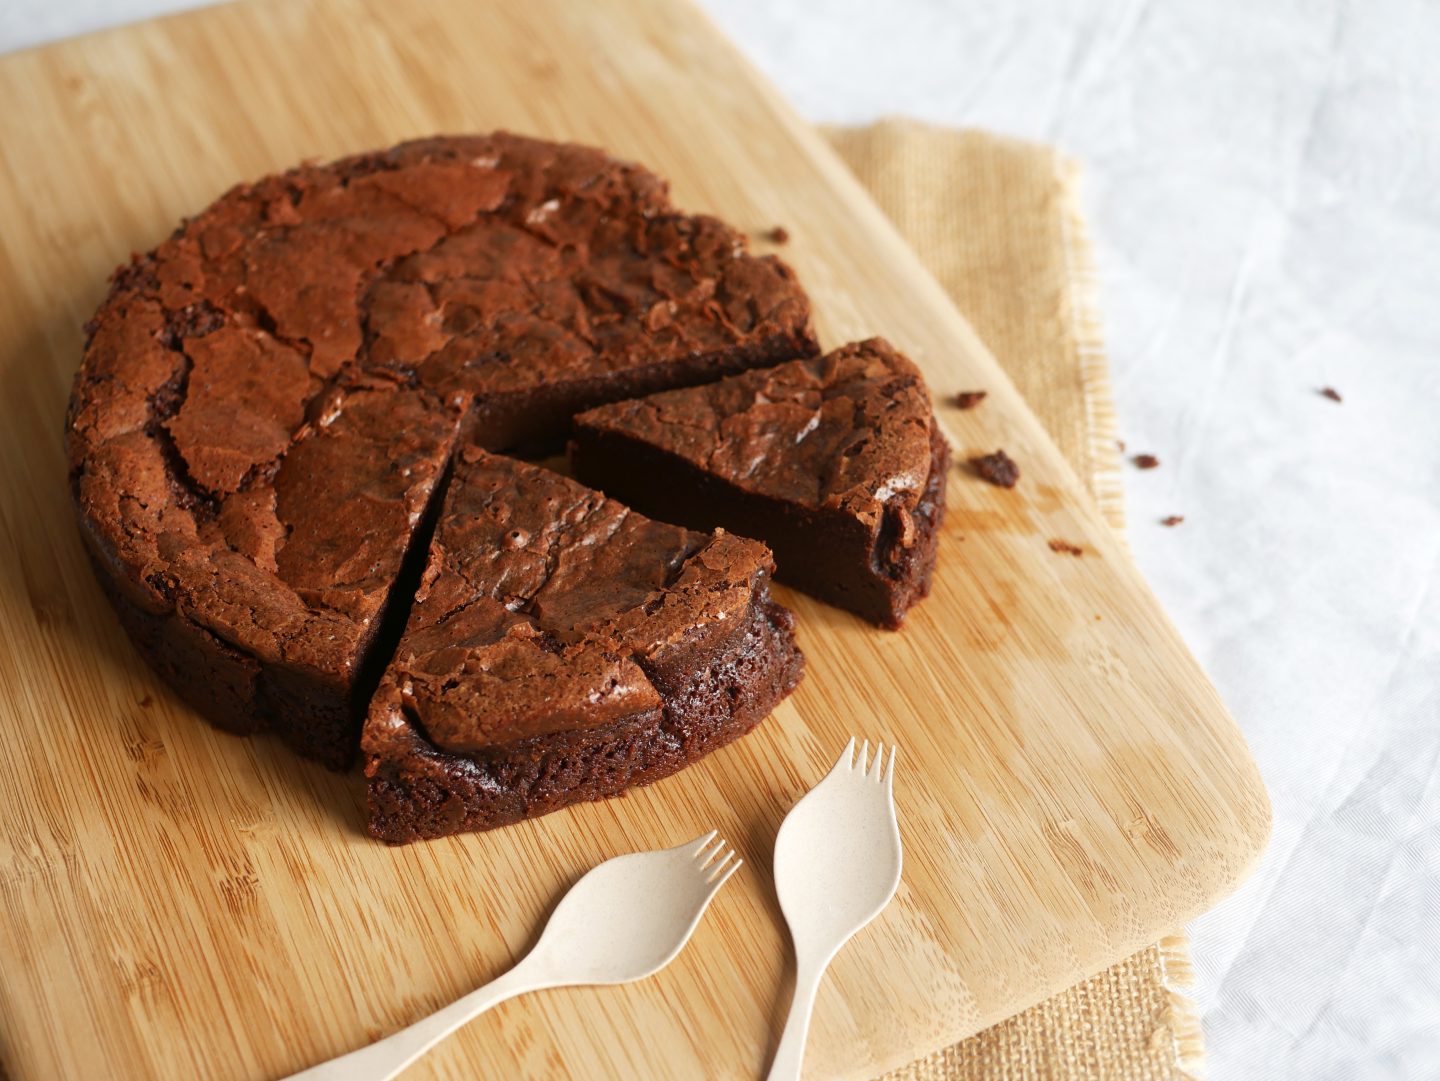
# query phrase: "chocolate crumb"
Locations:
[[1066, 546], [1145, 461], [1332, 394], [969, 399], [1174, 519], [997, 468], [145, 702], [778, 235], [1120, 445]]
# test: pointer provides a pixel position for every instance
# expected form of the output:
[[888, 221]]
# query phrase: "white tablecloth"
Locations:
[[1264, 183]]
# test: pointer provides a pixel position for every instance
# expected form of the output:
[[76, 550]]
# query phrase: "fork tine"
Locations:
[[864, 763], [707, 855], [849, 755], [873, 773], [725, 869], [725, 876], [700, 843], [719, 868], [890, 768]]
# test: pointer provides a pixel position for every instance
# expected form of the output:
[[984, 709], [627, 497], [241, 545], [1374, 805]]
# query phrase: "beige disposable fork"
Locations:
[[624, 920], [837, 864]]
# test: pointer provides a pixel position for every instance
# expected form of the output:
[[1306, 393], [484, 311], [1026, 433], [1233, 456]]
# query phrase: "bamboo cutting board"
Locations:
[[180, 903]]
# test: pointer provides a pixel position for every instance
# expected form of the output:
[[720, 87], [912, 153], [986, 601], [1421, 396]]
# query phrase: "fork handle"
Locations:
[[383, 1060], [790, 1055]]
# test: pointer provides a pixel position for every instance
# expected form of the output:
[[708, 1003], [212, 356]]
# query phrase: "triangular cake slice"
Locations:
[[835, 462], [563, 648]]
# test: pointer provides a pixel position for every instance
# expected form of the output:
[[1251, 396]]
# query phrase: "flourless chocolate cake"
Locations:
[[562, 648], [268, 400], [834, 462]]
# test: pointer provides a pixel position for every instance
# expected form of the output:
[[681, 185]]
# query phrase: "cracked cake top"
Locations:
[[848, 431]]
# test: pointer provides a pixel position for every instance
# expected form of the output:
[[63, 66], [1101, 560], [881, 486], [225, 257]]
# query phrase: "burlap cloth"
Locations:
[[998, 222]]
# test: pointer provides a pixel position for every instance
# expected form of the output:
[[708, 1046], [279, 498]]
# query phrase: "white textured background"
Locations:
[[1264, 185]]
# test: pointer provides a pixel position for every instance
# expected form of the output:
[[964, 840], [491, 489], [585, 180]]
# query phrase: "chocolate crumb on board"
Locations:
[[1145, 461], [969, 399], [1332, 394], [997, 468], [1174, 519], [1058, 545], [778, 235], [1120, 445]]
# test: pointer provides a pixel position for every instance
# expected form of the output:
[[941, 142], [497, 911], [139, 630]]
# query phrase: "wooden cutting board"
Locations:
[[180, 903]]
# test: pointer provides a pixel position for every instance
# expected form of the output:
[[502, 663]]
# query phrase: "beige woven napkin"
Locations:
[[998, 222]]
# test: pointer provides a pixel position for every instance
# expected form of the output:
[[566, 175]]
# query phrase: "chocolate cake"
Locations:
[[268, 400], [836, 463], [562, 648]]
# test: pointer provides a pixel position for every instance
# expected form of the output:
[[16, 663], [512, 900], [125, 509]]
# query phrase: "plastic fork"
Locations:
[[624, 920], [837, 864]]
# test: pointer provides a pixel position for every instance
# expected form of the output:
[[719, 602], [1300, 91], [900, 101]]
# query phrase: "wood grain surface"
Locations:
[[175, 902]]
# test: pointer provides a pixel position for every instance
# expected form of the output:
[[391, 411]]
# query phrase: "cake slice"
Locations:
[[563, 648], [835, 462]]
